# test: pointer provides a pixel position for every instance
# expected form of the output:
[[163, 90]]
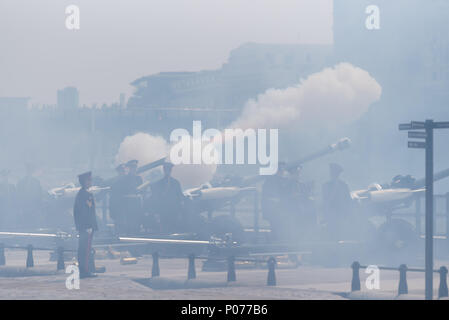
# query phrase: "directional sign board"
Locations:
[[417, 144], [418, 125], [405, 126], [417, 134], [441, 125]]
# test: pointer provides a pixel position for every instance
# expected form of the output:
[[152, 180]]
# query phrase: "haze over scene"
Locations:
[[121, 41]]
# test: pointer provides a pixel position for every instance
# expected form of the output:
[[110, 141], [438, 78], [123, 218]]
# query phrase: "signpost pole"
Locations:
[[429, 210]]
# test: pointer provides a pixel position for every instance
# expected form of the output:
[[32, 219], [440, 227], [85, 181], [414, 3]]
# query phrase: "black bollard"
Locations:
[[231, 269], [271, 280], [2, 255], [155, 269], [60, 253], [191, 273], [442, 290], [403, 288], [30, 260], [355, 283]]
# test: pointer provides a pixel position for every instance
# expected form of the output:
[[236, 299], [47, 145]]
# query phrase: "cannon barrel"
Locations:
[[151, 165], [341, 144], [146, 167], [436, 176]]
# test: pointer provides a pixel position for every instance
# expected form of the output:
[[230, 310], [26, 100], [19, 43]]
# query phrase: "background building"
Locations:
[[68, 98], [251, 69]]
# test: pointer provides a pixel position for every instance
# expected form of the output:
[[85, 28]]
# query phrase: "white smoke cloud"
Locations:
[[332, 97], [143, 147], [147, 148]]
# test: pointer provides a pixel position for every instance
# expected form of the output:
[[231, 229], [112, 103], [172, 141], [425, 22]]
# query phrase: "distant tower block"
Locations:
[[122, 101], [68, 98]]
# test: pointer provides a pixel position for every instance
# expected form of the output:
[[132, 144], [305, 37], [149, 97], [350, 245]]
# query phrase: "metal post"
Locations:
[[447, 218], [60, 264], [271, 279], [231, 269], [429, 209], [355, 283], [155, 268], [403, 288], [442, 290], [418, 216], [191, 273], [30, 260]]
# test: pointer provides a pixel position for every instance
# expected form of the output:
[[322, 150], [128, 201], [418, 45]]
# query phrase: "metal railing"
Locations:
[[60, 265], [403, 269]]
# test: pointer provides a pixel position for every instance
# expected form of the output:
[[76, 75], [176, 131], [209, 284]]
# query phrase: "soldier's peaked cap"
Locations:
[[84, 176]]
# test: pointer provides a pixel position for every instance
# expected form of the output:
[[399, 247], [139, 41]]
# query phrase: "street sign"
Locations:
[[441, 125], [417, 134], [405, 126], [418, 125], [417, 144], [429, 126]]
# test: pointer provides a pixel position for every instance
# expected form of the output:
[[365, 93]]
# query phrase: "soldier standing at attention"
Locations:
[[337, 204], [274, 201], [85, 222], [133, 180], [168, 200]]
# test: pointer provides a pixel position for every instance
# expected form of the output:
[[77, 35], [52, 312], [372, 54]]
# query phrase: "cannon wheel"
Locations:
[[397, 235], [220, 225]]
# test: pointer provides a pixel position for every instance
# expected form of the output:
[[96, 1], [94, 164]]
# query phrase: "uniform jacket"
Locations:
[[84, 211]]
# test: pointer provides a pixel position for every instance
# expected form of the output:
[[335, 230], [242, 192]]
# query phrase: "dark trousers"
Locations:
[[84, 251]]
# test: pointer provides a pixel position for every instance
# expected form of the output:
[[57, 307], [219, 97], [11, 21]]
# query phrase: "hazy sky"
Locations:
[[122, 40]]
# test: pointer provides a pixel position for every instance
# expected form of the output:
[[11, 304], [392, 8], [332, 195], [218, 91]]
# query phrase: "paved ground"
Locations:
[[133, 281]]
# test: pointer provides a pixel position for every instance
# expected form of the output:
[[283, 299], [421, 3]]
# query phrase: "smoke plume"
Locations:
[[332, 97], [143, 147], [147, 148]]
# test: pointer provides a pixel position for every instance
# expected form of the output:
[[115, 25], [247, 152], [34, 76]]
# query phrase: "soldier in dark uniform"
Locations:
[[337, 204], [300, 214], [86, 223], [132, 215], [275, 201], [168, 200]]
